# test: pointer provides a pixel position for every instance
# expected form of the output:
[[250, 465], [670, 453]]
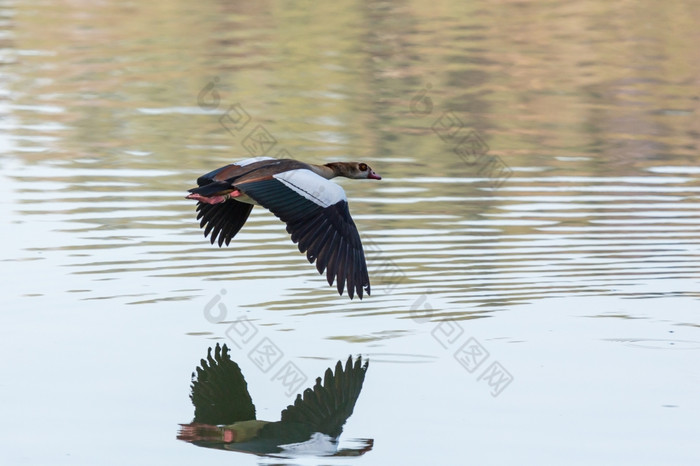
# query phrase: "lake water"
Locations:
[[533, 246]]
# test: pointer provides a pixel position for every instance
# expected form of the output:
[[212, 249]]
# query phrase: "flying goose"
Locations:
[[301, 195], [224, 413]]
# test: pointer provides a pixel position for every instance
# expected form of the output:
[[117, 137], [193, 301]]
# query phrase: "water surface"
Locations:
[[539, 201]]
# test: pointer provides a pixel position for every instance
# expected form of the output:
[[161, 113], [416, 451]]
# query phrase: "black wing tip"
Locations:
[[361, 291], [218, 389], [221, 351], [357, 363], [326, 406], [222, 222]]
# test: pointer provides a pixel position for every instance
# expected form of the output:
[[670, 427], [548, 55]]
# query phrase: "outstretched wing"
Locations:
[[223, 220], [317, 216], [219, 390], [325, 408]]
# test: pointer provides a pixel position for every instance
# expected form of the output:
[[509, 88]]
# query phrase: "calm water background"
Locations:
[[577, 270]]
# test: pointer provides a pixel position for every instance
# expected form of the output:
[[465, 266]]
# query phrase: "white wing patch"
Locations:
[[319, 444], [243, 163], [312, 186]]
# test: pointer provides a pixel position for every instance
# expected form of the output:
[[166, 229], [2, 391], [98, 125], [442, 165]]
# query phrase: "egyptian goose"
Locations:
[[301, 195], [224, 413]]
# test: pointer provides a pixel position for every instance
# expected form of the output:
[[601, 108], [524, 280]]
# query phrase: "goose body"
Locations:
[[225, 418], [314, 208]]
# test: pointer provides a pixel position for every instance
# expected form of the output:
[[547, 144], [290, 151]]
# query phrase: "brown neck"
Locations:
[[329, 170]]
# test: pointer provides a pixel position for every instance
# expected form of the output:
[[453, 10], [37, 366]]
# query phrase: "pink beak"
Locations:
[[373, 176]]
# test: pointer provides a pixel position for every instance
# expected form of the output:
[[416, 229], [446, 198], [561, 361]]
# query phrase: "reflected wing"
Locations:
[[325, 408], [219, 391], [317, 216], [223, 220]]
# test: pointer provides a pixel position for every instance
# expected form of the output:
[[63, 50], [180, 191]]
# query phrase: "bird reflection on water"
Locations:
[[225, 418]]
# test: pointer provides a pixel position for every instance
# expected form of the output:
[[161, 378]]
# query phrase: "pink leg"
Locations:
[[214, 199], [207, 200]]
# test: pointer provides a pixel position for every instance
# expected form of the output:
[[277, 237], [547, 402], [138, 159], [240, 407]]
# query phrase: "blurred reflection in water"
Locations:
[[224, 414]]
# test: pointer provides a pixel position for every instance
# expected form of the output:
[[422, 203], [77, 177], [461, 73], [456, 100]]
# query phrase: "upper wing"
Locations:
[[219, 391], [233, 170], [325, 408], [220, 181], [226, 219], [223, 220], [317, 216]]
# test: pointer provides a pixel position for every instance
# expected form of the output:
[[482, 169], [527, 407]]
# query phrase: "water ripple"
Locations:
[[513, 248]]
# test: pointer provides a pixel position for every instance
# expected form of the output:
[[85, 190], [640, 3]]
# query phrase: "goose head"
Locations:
[[354, 170]]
